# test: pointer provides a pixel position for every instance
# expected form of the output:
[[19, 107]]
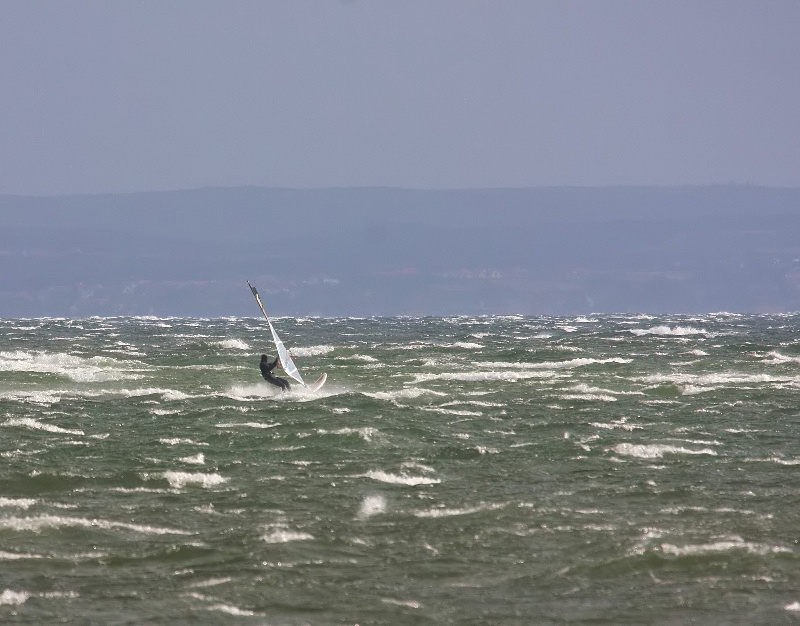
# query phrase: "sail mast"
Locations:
[[283, 354]]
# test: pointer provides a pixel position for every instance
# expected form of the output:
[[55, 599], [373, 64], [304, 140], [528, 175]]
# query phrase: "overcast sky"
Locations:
[[151, 95]]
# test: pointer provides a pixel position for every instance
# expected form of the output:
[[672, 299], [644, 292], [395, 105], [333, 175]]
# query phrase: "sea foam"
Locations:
[[400, 479], [41, 522], [76, 368], [656, 451], [178, 480]]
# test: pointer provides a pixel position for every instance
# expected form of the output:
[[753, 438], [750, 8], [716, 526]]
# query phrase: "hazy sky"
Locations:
[[150, 95]]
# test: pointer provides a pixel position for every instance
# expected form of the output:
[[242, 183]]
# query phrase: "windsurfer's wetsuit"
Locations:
[[266, 372]]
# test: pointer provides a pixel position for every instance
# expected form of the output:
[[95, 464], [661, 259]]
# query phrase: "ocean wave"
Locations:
[[407, 393], [167, 394], [698, 383], [446, 411], [591, 396], [178, 480], [247, 425], [14, 598], [211, 582], [230, 609], [621, 423], [76, 368], [551, 365], [300, 352], [656, 450], [41, 522], [776, 358], [408, 604], [724, 544], [174, 441], [450, 512], [29, 422], [54, 396], [400, 479], [197, 459], [777, 460], [485, 376], [281, 533], [20, 503], [365, 358], [669, 331], [234, 344], [367, 433], [21, 556]]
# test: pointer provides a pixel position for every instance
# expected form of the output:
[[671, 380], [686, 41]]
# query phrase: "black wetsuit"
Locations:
[[266, 372]]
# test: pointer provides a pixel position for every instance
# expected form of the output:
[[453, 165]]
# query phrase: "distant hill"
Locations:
[[374, 251]]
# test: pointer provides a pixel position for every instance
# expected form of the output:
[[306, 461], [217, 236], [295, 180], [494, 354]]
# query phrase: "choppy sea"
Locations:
[[608, 469]]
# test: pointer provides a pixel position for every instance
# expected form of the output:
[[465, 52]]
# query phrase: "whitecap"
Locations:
[[457, 412], [668, 331], [485, 376], [20, 556], [403, 394], [549, 365], [79, 369], [778, 358], [229, 609], [174, 441], [211, 582], [725, 544], [178, 480], [14, 597], [197, 459], [598, 397], [512, 371], [410, 604], [692, 383], [234, 344], [45, 398], [450, 512], [166, 394], [400, 479], [40, 522], [779, 461], [20, 503], [656, 451], [301, 352], [417, 466], [248, 425], [164, 412], [367, 433], [621, 423], [282, 534], [29, 422]]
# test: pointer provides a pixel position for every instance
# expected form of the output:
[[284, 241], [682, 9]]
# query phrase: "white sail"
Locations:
[[286, 361]]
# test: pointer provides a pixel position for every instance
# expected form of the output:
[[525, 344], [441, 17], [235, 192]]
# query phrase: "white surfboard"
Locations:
[[317, 384]]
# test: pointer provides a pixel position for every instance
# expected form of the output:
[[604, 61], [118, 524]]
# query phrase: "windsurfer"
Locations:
[[266, 372]]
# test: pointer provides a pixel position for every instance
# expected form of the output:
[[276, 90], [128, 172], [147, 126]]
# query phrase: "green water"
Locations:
[[514, 470]]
